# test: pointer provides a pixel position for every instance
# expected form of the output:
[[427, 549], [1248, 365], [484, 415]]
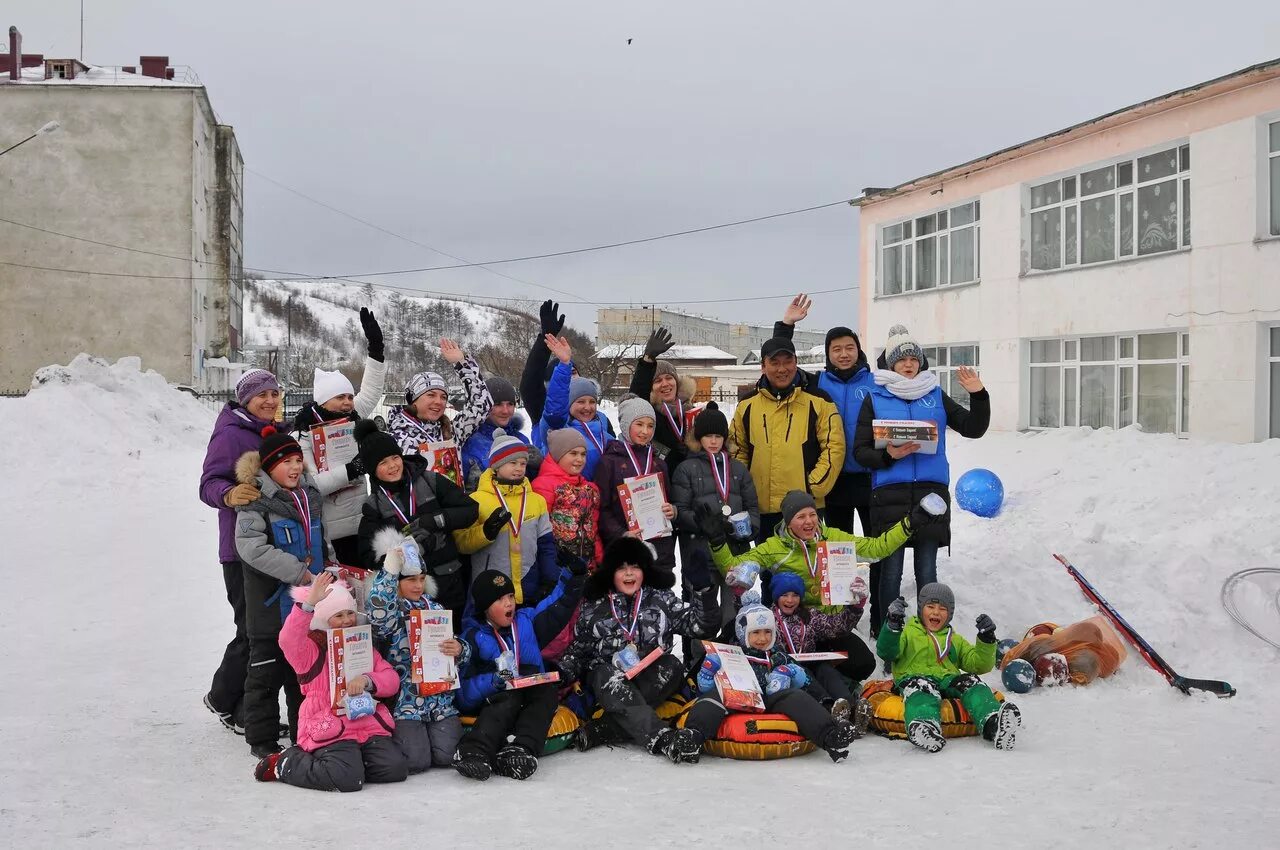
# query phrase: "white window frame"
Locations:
[[1068, 366], [1071, 182], [945, 371], [1273, 362], [1271, 151], [941, 238]]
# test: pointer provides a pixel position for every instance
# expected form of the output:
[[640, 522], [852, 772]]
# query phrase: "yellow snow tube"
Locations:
[[886, 712], [563, 726]]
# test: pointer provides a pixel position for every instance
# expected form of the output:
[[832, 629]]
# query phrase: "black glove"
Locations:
[[494, 523], [355, 469], [423, 526], [570, 560], [697, 573], [919, 518], [710, 524], [896, 617], [986, 629], [659, 343], [372, 333], [552, 318]]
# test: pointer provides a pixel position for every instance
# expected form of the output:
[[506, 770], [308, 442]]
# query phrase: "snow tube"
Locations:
[[886, 712], [563, 727], [745, 736]]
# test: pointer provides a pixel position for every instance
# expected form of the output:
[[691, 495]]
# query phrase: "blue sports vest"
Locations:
[[286, 535], [913, 467], [848, 397]]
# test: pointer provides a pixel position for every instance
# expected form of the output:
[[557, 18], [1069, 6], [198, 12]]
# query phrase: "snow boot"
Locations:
[[841, 710], [226, 718], [1002, 727], [660, 744], [685, 746], [593, 733], [861, 717], [516, 762], [472, 766], [926, 735], [837, 739], [268, 768], [261, 751]]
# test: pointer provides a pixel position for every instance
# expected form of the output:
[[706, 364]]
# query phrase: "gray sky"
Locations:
[[500, 129]]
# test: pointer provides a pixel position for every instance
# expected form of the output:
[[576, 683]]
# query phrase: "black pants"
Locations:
[[629, 704], [826, 685], [347, 550], [810, 717], [344, 766], [268, 670], [768, 524], [227, 691], [451, 592], [860, 664], [525, 713]]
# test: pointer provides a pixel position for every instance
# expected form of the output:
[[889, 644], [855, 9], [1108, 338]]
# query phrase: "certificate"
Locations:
[[443, 458], [644, 662], [429, 668], [837, 568], [350, 655], [535, 679], [735, 680], [642, 499], [333, 444], [898, 432]]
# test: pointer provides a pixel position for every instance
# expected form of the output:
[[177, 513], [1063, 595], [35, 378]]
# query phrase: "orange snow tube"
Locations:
[[756, 737], [887, 708], [1092, 648]]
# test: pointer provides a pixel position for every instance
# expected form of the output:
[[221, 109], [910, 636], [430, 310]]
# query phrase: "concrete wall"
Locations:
[[1218, 290]]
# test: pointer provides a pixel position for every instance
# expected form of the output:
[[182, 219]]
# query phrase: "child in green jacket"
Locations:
[[930, 662]]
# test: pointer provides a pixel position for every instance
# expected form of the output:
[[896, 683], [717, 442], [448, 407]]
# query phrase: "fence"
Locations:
[[293, 401]]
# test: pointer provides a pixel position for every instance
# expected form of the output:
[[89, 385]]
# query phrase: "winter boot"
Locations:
[[516, 762], [660, 744], [926, 735], [226, 718], [685, 746], [837, 739], [261, 751], [472, 766], [1002, 727], [861, 717], [593, 733], [841, 710], [268, 768]]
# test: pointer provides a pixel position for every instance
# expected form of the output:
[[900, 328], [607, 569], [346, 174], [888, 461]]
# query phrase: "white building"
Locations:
[[629, 326], [123, 228], [1123, 270]]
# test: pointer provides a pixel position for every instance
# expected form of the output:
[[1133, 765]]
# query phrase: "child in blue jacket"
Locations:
[[572, 403]]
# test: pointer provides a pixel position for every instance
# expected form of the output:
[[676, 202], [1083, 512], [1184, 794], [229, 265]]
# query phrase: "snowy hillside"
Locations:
[[116, 616]]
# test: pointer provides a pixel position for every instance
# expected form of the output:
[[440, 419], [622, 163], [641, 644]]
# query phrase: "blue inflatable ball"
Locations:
[[980, 492], [1019, 676], [1004, 646]]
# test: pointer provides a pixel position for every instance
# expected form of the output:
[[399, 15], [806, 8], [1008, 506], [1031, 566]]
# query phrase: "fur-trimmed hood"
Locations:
[[626, 550], [248, 465]]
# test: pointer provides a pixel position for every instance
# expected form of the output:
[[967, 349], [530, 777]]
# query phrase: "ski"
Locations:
[[1182, 683]]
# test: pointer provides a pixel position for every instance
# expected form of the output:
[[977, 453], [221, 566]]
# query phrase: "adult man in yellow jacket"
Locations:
[[788, 434]]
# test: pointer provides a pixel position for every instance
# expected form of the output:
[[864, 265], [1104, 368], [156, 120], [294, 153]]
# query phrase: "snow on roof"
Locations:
[[677, 352], [108, 75]]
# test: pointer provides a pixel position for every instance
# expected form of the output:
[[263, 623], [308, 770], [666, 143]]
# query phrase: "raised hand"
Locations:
[[319, 587], [798, 310], [451, 352], [659, 344], [968, 377], [372, 333], [986, 629], [896, 617], [559, 347], [552, 318]]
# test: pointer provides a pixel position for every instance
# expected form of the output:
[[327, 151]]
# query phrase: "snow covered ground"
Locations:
[[116, 619]]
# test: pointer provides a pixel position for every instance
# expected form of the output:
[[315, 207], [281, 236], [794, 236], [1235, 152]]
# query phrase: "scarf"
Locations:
[[907, 389]]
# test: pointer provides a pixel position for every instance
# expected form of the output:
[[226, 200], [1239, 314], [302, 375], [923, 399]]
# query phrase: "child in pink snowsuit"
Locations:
[[334, 752]]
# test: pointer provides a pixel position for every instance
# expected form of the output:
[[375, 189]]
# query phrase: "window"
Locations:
[[1275, 379], [1131, 208], [1273, 168], [1115, 381], [944, 360], [938, 249]]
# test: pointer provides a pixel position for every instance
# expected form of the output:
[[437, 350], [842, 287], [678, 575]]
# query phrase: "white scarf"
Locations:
[[907, 389]]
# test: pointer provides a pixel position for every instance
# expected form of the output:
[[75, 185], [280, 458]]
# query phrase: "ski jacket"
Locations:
[[555, 415], [433, 495], [801, 630], [475, 453], [615, 466], [694, 484], [573, 505], [389, 617], [412, 433], [784, 553], [914, 652], [528, 558], [674, 422], [270, 534], [790, 442], [530, 628], [234, 432], [318, 724]]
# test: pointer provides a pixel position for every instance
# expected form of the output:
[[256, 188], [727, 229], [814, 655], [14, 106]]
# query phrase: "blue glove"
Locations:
[[707, 674], [751, 597], [626, 658], [798, 675], [743, 575], [360, 705], [777, 681]]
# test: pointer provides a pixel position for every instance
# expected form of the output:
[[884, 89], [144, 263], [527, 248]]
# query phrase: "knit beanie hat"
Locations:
[[564, 440], [276, 446], [901, 344], [501, 390], [710, 421], [488, 588], [253, 382], [374, 445], [664, 367], [326, 385], [938, 593], [794, 502], [752, 618], [630, 409], [422, 383], [337, 600], [505, 449], [580, 387], [786, 583]]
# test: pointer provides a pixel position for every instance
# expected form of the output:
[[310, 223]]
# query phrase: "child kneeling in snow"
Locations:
[[629, 611], [334, 753], [930, 662], [506, 644], [782, 682], [802, 627], [428, 727]]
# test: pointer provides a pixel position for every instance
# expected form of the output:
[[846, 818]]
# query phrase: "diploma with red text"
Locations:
[[350, 655], [735, 680]]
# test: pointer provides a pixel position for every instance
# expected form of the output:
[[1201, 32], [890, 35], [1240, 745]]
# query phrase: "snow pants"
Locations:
[[428, 742], [629, 704], [826, 685], [860, 664], [813, 721], [227, 690], [525, 713], [344, 766], [268, 670], [922, 698]]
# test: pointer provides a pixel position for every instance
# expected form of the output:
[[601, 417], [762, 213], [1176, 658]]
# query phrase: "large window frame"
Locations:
[[945, 359], [934, 250], [1273, 377], [1272, 175], [1067, 216], [1061, 370]]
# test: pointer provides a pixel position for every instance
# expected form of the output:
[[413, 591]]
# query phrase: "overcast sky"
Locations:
[[500, 129]]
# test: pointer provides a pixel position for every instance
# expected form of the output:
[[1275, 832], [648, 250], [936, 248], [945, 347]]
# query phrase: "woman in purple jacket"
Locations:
[[237, 430]]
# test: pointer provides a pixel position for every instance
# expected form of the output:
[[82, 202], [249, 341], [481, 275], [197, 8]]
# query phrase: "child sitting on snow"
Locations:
[[428, 727], [333, 753], [629, 611], [931, 662], [782, 683], [506, 644], [802, 627]]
